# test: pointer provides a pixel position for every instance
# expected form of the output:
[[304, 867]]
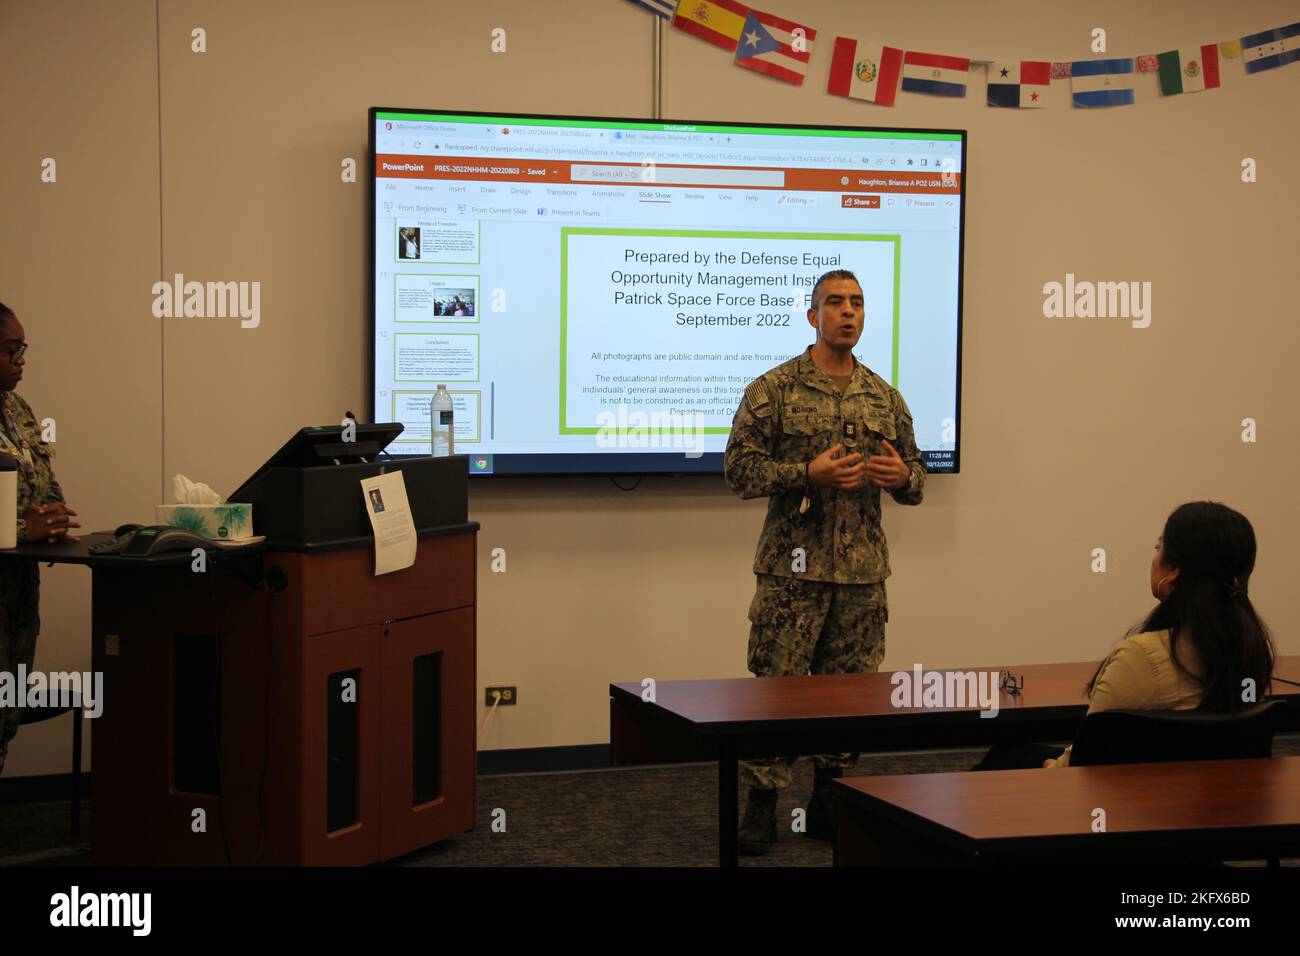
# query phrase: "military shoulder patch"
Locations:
[[756, 398]]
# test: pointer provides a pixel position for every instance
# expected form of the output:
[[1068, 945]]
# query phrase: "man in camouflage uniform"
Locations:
[[819, 436], [42, 515]]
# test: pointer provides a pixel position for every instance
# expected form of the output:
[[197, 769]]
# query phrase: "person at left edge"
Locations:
[[42, 516]]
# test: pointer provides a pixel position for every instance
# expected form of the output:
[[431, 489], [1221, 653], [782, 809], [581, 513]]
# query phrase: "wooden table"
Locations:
[[727, 720], [1197, 812]]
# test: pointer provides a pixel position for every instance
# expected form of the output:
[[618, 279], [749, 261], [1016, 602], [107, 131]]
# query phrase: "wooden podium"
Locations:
[[285, 708]]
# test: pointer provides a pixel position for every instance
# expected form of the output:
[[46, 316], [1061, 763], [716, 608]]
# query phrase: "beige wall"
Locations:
[[1076, 434]]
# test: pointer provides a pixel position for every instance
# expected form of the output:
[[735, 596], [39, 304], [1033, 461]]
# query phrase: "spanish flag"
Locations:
[[718, 21]]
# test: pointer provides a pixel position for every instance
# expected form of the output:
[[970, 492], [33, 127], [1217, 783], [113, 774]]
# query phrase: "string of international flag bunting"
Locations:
[[781, 48]]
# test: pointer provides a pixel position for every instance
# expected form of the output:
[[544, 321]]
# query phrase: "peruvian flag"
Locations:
[[865, 72], [777, 47]]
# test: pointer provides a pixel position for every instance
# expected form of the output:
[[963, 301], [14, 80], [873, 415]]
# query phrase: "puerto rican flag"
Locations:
[[1272, 48], [865, 72], [934, 73], [777, 47]]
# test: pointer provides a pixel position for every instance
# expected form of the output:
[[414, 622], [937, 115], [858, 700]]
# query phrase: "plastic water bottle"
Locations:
[[441, 423]]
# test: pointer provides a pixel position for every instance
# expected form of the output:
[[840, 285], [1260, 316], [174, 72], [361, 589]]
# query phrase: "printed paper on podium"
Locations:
[[390, 519]]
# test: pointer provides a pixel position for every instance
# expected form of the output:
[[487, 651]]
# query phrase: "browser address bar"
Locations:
[[667, 176]]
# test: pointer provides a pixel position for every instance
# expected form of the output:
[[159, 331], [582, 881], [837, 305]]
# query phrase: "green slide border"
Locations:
[[478, 358], [440, 319], [397, 247], [567, 231]]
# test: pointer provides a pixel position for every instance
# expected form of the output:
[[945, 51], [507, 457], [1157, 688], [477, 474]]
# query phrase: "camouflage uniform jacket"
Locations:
[[791, 415], [20, 436]]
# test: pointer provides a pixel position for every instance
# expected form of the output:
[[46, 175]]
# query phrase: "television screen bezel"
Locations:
[[618, 459]]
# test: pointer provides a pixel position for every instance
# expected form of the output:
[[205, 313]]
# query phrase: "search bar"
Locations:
[[669, 176]]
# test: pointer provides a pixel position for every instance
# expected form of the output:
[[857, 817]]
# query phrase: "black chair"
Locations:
[[36, 715], [1162, 736]]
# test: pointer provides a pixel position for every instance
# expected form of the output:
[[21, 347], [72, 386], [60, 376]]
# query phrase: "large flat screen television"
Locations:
[[596, 292]]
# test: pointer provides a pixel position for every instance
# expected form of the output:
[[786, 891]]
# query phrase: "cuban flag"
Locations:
[[777, 47], [662, 8], [935, 73], [1102, 82], [1272, 48]]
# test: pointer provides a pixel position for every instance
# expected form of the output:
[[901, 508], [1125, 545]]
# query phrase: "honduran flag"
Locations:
[[1189, 71], [1024, 84], [1102, 82], [865, 72], [718, 21], [774, 46], [1272, 48], [935, 73]]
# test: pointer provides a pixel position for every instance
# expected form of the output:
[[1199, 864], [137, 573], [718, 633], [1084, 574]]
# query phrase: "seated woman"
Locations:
[[1197, 647]]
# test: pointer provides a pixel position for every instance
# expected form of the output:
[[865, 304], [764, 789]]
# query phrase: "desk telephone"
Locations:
[[142, 541]]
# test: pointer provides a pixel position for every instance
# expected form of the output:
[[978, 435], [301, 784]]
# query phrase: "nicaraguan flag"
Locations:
[[1022, 84], [1272, 48], [934, 73], [662, 8], [1102, 82], [777, 47]]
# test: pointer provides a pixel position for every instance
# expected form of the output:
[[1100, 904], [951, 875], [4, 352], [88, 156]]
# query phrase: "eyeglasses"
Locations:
[[1011, 684], [17, 351]]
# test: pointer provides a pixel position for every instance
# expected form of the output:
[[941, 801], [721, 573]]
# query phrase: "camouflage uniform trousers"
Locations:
[[801, 627], [19, 624]]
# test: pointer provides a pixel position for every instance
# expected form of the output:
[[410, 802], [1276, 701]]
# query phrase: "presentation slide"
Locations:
[[596, 294]]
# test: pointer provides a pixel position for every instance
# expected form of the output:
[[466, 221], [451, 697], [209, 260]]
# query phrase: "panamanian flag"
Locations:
[[864, 71], [1102, 82], [1272, 48], [1020, 85], [777, 47], [1189, 71], [935, 73]]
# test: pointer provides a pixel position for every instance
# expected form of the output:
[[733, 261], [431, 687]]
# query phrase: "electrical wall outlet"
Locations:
[[509, 696]]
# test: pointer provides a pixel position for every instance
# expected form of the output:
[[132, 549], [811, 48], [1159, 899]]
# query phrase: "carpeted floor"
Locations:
[[664, 816]]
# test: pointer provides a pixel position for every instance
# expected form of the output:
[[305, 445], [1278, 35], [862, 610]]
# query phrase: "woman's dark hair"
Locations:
[[6, 313], [1213, 549]]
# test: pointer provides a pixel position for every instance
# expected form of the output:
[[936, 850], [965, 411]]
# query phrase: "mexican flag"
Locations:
[[1189, 71]]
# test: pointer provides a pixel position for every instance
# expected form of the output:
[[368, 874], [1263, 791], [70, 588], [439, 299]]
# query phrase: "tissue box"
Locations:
[[230, 521]]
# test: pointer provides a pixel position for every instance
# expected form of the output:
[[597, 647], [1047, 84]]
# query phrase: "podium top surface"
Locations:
[[78, 552]]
